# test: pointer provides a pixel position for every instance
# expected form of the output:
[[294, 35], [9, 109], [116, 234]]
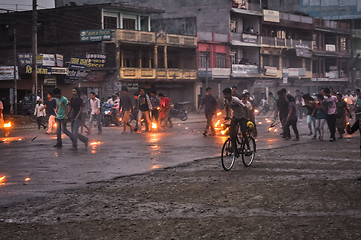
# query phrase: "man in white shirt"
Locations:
[[95, 112], [331, 112], [2, 119]]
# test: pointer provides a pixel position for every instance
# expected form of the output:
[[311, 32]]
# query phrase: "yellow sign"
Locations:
[[42, 71], [271, 16]]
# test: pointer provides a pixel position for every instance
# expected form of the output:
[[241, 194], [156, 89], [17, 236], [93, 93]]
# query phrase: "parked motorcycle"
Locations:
[[179, 113]]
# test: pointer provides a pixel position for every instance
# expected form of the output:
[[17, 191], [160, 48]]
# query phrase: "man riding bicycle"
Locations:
[[240, 116]]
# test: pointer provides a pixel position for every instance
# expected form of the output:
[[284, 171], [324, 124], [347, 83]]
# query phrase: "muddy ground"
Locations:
[[306, 191]]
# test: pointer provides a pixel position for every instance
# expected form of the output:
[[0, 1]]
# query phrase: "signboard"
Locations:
[[249, 38], [40, 70], [48, 60], [241, 70], [95, 35], [59, 71], [294, 72], [7, 73], [50, 80], [271, 16], [132, 86], [77, 73], [221, 72], [93, 60], [330, 48], [271, 71], [303, 50], [59, 60]]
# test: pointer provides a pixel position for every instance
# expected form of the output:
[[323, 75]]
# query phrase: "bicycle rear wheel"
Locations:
[[228, 157], [248, 154]]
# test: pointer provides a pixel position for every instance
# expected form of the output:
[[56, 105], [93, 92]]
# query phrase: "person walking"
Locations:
[[210, 107], [95, 112], [282, 110], [50, 106], [126, 106], [341, 111], [145, 107], [331, 112], [311, 107], [84, 114], [75, 115], [40, 113], [320, 117], [291, 119], [155, 100], [62, 110], [164, 113], [7, 133], [135, 110]]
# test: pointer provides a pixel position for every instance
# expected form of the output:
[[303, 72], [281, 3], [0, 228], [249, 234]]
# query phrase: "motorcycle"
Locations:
[[110, 115], [178, 113]]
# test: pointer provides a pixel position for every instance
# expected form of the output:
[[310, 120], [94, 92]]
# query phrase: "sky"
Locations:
[[25, 4]]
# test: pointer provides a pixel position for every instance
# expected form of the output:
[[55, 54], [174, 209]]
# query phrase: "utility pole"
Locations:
[[15, 71], [207, 59], [35, 47]]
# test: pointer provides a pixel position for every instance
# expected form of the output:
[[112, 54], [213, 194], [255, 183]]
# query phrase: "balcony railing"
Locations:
[[284, 43], [331, 24], [160, 73], [150, 38], [246, 38]]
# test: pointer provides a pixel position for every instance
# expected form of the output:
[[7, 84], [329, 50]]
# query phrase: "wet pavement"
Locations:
[[308, 190], [32, 166]]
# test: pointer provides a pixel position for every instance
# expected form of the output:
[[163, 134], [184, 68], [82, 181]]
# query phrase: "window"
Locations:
[[204, 60], [315, 66], [129, 23], [220, 60], [110, 22], [144, 20]]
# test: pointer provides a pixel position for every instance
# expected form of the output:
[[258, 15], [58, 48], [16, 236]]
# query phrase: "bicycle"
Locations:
[[229, 154]]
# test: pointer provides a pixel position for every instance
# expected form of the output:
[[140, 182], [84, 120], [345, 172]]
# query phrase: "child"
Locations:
[[40, 113]]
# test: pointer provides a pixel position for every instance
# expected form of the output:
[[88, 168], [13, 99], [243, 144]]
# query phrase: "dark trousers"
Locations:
[[286, 130], [331, 122], [61, 126], [75, 125], [40, 121], [209, 117]]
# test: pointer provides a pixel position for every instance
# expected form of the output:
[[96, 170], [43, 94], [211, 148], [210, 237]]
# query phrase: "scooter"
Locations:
[[110, 116], [178, 113]]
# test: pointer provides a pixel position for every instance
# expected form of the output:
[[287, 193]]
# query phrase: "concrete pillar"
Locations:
[[140, 57], [155, 57], [165, 57], [121, 58], [118, 58]]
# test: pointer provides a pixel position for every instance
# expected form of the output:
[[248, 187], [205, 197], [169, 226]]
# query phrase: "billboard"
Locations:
[[332, 9]]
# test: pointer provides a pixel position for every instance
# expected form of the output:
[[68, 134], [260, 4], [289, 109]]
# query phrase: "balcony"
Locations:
[[285, 43], [160, 74], [133, 36], [330, 50], [340, 26], [242, 70], [142, 37]]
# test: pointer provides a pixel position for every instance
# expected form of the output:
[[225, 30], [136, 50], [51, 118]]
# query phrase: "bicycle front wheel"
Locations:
[[228, 157], [248, 154]]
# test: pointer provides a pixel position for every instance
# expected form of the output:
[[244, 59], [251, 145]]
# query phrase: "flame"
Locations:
[[223, 132], [256, 111], [20, 139], [345, 99], [217, 123], [55, 125], [154, 126], [275, 130], [222, 125], [156, 166], [219, 114], [347, 123], [94, 143], [158, 108], [269, 129], [269, 121], [2, 179], [259, 123], [27, 179], [142, 120], [120, 119], [93, 151], [7, 125]]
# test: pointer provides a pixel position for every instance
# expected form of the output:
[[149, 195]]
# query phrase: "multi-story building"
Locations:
[[99, 48]]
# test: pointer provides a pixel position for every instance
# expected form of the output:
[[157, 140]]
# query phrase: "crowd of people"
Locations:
[[56, 111], [327, 106]]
